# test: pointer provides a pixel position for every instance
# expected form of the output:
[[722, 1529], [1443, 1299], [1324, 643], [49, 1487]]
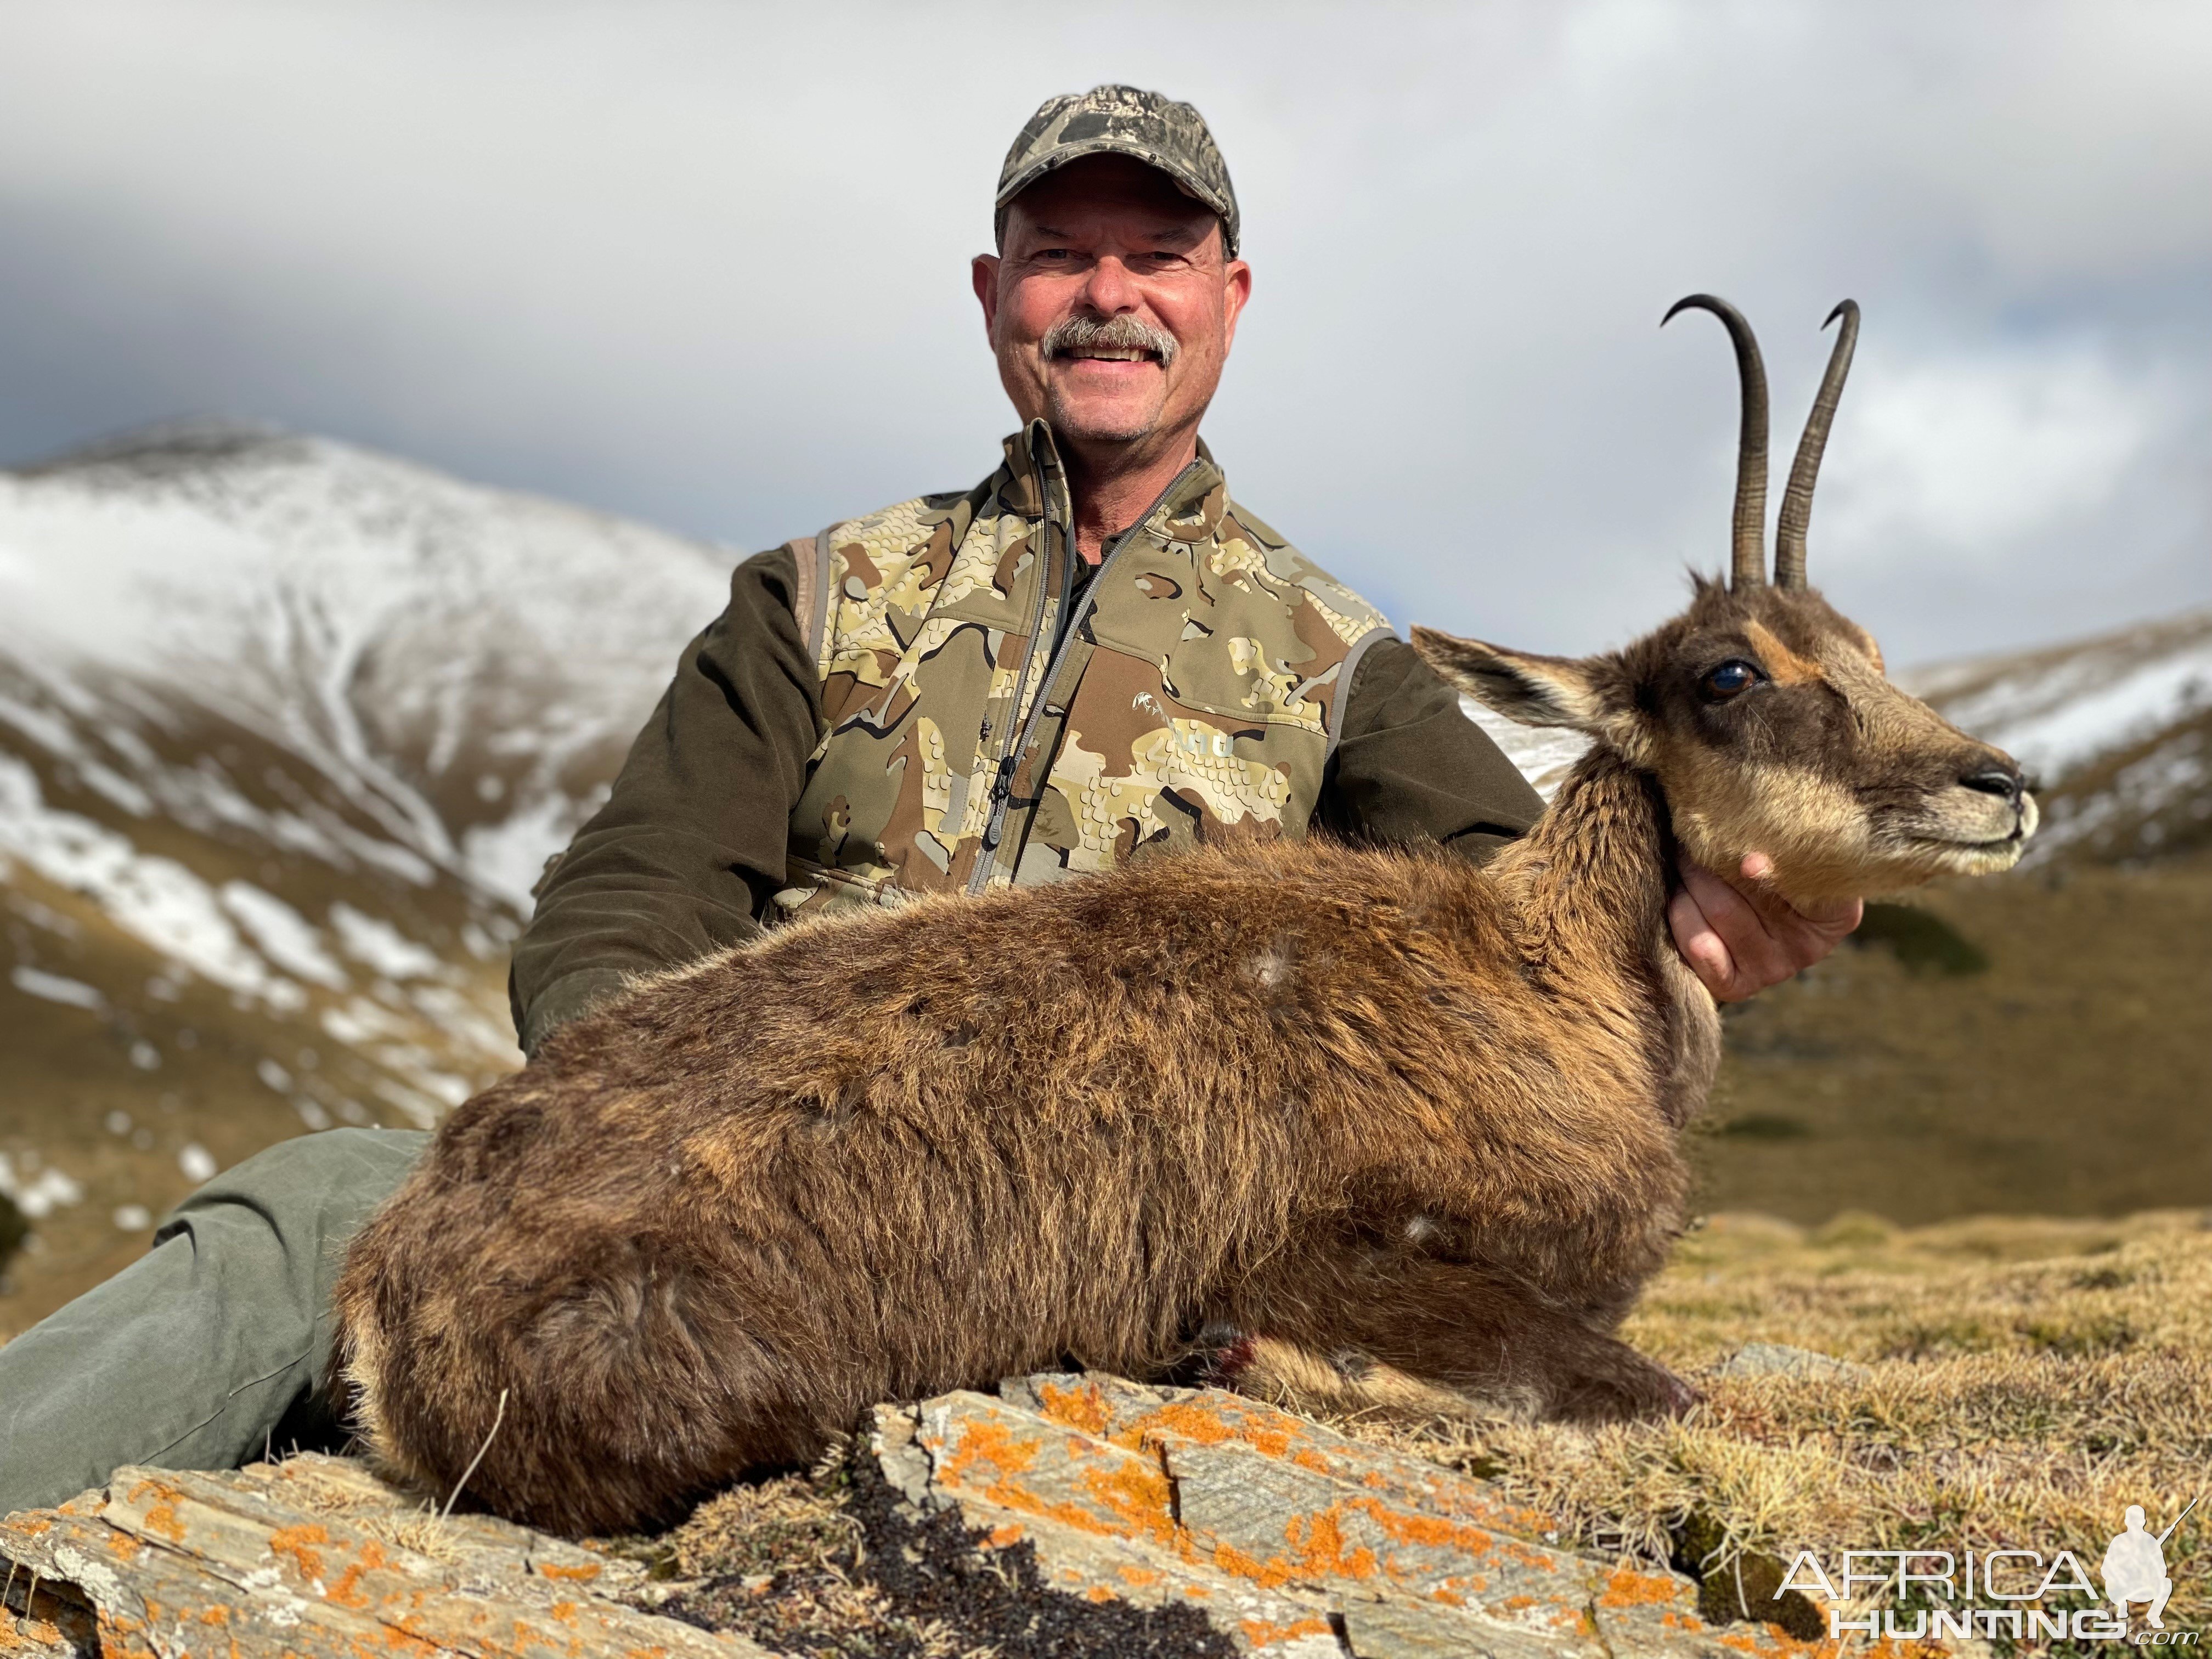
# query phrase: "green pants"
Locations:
[[211, 1349]]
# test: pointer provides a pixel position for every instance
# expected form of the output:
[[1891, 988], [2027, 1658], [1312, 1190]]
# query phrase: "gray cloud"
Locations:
[[706, 265]]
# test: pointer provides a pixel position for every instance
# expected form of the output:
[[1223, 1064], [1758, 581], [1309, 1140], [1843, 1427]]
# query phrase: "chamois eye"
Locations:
[[1730, 679]]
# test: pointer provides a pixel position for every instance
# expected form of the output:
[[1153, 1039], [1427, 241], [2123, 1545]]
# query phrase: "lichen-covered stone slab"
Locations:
[[1361, 1553], [313, 1556]]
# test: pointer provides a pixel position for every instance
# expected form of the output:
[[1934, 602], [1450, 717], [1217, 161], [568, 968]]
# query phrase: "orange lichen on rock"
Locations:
[[1432, 1532], [1318, 1549], [299, 1544], [161, 1515], [1228, 1558], [1772, 1642], [1625, 1586], [1083, 1407], [1138, 1493], [1265, 1633], [993, 1445], [115, 1639], [29, 1632], [1183, 1419], [346, 1591]]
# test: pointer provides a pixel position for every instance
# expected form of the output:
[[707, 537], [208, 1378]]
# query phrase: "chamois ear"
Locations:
[[1521, 685]]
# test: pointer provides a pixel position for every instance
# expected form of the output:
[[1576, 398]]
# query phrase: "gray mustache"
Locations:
[[1071, 333]]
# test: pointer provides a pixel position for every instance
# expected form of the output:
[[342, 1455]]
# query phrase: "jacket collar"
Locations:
[[1032, 452]]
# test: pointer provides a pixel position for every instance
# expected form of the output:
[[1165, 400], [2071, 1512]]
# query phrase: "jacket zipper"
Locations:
[[1002, 785], [1002, 778]]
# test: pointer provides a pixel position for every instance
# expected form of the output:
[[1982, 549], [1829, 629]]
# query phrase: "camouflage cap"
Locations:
[[1117, 120]]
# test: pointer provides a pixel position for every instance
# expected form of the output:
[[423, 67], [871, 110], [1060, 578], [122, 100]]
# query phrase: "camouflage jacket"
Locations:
[[986, 725], [893, 706]]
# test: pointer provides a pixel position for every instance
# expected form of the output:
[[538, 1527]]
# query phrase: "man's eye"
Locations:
[[1731, 679]]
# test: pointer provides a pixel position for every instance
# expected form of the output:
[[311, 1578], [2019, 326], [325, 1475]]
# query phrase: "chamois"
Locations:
[[1374, 1122]]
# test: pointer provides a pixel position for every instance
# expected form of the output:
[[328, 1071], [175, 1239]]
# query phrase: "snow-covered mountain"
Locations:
[[288, 730], [460, 664]]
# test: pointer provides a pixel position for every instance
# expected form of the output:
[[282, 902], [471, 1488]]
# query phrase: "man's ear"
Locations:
[[1520, 684], [983, 276]]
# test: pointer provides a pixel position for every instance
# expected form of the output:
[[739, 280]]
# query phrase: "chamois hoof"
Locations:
[[1216, 1358], [1630, 1390]]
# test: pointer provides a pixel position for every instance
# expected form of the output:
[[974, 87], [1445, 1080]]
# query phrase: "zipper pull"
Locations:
[[1002, 785]]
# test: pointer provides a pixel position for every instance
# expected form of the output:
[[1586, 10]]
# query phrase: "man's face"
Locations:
[[1098, 241]]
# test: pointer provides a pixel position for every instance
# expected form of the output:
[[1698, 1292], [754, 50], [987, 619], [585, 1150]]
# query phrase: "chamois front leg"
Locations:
[[1417, 1338]]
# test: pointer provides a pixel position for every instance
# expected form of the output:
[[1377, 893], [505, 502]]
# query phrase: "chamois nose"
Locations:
[[2004, 781]]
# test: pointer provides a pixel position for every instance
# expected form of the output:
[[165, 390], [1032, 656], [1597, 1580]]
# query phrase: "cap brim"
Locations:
[[1061, 155]]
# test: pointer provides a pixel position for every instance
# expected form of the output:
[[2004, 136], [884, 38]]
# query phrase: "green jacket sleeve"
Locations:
[[1410, 766], [691, 844]]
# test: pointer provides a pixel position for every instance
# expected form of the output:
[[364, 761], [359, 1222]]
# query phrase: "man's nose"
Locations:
[[1110, 289]]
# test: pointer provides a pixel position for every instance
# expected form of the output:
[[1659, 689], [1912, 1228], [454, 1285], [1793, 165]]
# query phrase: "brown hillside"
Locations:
[[2038, 1043]]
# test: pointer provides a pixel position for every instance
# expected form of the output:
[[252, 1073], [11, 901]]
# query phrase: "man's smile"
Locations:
[[1105, 365], [1103, 352]]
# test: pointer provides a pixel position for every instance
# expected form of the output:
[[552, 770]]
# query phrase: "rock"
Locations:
[[312, 1557], [1779, 1359], [1292, 1539]]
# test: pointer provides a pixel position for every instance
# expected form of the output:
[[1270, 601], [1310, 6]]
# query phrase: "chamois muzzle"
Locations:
[[2006, 783]]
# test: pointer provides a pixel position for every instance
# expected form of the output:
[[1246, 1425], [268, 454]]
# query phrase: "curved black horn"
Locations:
[[1750, 554], [1797, 499]]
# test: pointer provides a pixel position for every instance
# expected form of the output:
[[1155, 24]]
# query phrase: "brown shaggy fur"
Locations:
[[1365, 1111]]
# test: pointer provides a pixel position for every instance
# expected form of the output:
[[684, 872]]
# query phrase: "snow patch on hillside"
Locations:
[[1544, 754], [157, 899]]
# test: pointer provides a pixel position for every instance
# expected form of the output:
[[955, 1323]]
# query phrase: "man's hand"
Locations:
[[1740, 937]]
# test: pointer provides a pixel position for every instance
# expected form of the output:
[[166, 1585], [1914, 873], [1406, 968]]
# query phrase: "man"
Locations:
[[2135, 1570], [1094, 653]]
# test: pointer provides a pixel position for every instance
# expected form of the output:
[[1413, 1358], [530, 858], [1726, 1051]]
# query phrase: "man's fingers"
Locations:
[[1715, 898], [1701, 947], [1802, 936], [1775, 911], [1761, 957], [1739, 935]]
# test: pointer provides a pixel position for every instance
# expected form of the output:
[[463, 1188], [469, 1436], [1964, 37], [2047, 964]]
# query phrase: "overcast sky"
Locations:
[[706, 265]]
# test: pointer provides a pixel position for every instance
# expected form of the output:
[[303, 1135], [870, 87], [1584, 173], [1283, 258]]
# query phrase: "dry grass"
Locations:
[[780, 1562], [2023, 1383], [424, 1531]]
